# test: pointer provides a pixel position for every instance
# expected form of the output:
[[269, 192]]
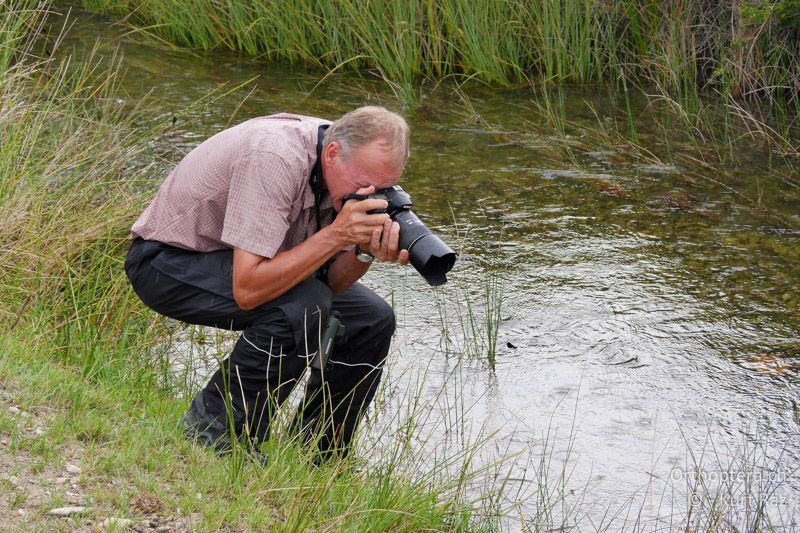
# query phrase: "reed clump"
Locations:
[[68, 192], [747, 49]]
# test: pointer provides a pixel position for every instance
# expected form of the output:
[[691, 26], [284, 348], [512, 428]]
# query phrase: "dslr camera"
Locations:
[[432, 258]]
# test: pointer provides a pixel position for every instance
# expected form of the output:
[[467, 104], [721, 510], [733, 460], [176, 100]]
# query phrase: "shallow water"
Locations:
[[648, 311]]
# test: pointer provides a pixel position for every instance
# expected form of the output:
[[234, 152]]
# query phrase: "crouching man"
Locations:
[[250, 233]]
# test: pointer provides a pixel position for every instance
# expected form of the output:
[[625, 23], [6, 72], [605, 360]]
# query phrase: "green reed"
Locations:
[[690, 53], [67, 199], [750, 50]]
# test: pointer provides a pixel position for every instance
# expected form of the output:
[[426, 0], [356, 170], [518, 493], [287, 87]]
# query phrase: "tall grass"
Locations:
[[748, 49], [68, 195], [472, 306]]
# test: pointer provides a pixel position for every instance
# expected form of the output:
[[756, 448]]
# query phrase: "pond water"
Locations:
[[620, 330]]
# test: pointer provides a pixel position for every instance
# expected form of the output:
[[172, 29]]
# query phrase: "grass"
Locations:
[[128, 436], [743, 46], [472, 306]]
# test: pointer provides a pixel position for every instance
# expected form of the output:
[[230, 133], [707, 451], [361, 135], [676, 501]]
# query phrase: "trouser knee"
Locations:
[[374, 325]]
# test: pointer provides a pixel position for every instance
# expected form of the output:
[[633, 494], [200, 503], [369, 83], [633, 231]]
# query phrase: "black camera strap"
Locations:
[[354, 196], [318, 188], [316, 181]]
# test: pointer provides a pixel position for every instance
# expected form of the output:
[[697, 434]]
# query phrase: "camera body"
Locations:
[[432, 258], [396, 197]]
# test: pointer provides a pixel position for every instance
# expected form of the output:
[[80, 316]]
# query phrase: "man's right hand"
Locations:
[[353, 225]]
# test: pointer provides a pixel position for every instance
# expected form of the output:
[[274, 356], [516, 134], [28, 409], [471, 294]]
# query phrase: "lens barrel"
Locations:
[[429, 254]]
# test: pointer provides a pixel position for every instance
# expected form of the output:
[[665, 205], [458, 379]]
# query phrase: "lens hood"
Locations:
[[432, 258]]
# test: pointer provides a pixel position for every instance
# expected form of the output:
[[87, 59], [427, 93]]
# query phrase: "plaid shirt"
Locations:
[[245, 187]]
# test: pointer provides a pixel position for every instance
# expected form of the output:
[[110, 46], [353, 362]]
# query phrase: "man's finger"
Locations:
[[366, 190], [403, 257], [370, 204], [392, 240], [375, 243]]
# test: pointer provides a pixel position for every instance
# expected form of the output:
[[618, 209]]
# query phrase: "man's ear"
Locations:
[[331, 152]]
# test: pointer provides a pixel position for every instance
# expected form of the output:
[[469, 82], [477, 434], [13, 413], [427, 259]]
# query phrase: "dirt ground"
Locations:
[[32, 484]]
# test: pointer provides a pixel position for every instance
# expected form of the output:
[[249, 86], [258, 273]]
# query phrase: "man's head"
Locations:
[[367, 146]]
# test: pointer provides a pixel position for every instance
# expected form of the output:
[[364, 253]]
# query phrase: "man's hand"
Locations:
[[385, 242], [353, 225], [376, 234], [381, 241]]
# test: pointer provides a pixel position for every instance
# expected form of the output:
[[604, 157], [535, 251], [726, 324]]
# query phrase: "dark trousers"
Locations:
[[277, 342]]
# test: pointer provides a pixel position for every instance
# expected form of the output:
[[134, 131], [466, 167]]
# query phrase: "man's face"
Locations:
[[372, 164]]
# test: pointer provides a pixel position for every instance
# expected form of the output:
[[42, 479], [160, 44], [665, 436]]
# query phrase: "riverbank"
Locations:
[[112, 452], [86, 421]]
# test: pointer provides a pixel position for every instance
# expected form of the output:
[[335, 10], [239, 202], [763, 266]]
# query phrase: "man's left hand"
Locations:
[[385, 243]]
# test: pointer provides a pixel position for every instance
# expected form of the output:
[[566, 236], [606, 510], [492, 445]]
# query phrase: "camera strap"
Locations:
[[354, 196], [316, 182], [317, 187]]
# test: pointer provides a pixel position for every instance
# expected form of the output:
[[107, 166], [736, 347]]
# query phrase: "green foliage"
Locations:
[[751, 48]]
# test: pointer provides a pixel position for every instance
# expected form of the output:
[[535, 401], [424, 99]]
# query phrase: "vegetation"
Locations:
[[749, 49]]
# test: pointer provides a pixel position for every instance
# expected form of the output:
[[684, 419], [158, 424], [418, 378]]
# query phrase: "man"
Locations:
[[239, 237]]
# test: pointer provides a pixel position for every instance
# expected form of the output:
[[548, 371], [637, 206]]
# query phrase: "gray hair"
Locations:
[[367, 124]]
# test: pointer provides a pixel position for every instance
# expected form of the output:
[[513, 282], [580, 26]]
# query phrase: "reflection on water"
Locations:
[[649, 311]]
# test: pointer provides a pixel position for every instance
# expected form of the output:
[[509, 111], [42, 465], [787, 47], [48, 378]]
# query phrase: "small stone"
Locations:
[[61, 480], [21, 512], [72, 469], [11, 479], [38, 432], [161, 529], [4, 442], [117, 523], [14, 409], [66, 511]]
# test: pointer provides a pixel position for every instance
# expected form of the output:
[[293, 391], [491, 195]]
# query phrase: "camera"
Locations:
[[432, 258]]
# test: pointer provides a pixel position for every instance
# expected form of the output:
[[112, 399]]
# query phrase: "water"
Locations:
[[647, 306]]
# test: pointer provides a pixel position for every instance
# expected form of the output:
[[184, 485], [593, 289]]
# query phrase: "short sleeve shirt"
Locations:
[[246, 187]]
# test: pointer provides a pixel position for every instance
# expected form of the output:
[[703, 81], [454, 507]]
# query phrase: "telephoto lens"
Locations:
[[432, 258], [429, 254]]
